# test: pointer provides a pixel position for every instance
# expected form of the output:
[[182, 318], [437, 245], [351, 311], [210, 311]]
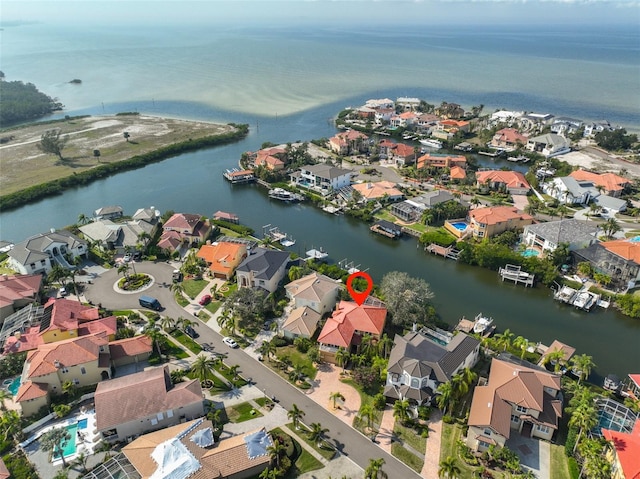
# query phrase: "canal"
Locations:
[[193, 183]]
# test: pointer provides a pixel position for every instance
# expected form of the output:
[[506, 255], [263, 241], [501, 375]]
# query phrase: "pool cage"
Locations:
[[118, 467], [613, 416]]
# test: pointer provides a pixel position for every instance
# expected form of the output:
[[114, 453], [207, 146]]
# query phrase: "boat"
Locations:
[[612, 383], [585, 300], [565, 294], [287, 241], [284, 195], [431, 143], [482, 324], [517, 159]]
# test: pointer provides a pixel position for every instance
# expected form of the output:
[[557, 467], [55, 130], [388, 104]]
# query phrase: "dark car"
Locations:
[[191, 332]]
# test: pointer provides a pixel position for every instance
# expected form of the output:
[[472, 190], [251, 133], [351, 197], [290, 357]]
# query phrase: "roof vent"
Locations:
[[56, 364], [489, 405]]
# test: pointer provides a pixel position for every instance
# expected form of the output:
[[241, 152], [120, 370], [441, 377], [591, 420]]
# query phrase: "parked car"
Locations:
[[206, 299], [63, 291], [230, 342], [191, 332], [127, 258]]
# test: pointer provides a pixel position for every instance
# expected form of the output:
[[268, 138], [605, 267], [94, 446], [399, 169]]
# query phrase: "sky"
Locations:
[[327, 12]]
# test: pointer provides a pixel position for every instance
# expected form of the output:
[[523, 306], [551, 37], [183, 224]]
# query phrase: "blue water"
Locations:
[[530, 252], [82, 423], [15, 385], [69, 447], [635, 239], [460, 226]]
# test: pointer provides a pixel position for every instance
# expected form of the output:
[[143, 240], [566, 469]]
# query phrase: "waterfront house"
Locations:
[[191, 450], [39, 253], [451, 127], [347, 324], [350, 142], [383, 115], [301, 322], [549, 145], [518, 399], [146, 401], [187, 228], [435, 160], [18, 291], [422, 360], [508, 139], [565, 126], [449, 110], [535, 121], [568, 190], [592, 129], [228, 217], [380, 190], [151, 215], [457, 173], [384, 103], [567, 351], [403, 120], [492, 220], [118, 237], [610, 183], [263, 268], [316, 291], [57, 320], [619, 259], [512, 181], [273, 159], [545, 237], [426, 123], [402, 155], [108, 213], [387, 228], [322, 178], [408, 103], [223, 257], [411, 210], [504, 117], [623, 452]]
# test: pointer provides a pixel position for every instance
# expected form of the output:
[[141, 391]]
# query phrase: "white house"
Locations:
[[263, 268], [570, 191], [322, 178], [39, 253]]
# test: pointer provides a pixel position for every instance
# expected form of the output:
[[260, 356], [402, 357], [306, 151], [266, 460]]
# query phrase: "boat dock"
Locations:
[[515, 274], [316, 254], [449, 252], [386, 228], [277, 236], [236, 176], [285, 195], [581, 299]]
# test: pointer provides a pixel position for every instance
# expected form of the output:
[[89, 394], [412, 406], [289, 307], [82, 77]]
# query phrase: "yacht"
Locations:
[[284, 195], [431, 143], [482, 324]]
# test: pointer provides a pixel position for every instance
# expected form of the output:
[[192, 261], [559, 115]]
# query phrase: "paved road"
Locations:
[[349, 441]]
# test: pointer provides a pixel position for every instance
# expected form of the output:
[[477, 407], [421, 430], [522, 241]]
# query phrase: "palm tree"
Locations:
[[269, 474], [522, 344], [374, 469], [583, 365], [368, 412], [157, 338], [611, 227], [83, 219], [505, 339], [225, 318], [297, 373], [177, 376], [69, 388], [295, 414], [185, 323], [167, 323], [81, 460], [176, 288], [317, 433], [203, 368], [401, 410], [276, 452], [342, 357], [475, 201], [10, 424], [448, 468], [4, 394], [384, 345], [335, 396], [295, 272], [445, 397], [233, 370], [366, 344], [123, 269], [556, 358], [584, 417], [54, 440]]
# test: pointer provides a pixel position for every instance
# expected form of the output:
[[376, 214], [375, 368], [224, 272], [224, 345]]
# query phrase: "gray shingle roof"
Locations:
[[264, 262], [326, 171], [566, 231], [32, 249]]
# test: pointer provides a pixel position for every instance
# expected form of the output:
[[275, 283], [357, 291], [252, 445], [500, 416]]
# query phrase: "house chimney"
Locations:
[[17, 334], [414, 328], [56, 364]]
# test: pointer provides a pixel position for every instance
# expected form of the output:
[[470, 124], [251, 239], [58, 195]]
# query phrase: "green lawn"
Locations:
[[325, 452], [411, 437], [384, 214], [365, 398], [559, 467], [193, 287], [213, 306], [186, 341], [298, 358], [410, 459], [242, 412], [181, 300], [122, 312], [448, 447]]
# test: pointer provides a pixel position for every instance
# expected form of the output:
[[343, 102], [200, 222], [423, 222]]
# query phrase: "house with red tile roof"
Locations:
[[403, 120], [200, 456], [17, 291], [518, 399], [454, 126], [349, 142], [512, 181], [378, 190], [399, 153], [347, 324], [61, 319], [435, 160], [183, 228], [146, 401], [612, 184], [457, 173], [273, 159], [223, 257], [619, 259], [508, 139], [84, 361], [492, 220], [624, 452]]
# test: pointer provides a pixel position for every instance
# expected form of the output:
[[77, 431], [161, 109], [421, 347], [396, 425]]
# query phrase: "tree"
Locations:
[[81, 460], [4, 394], [269, 474], [83, 219], [582, 365], [203, 368], [367, 412], [295, 414], [445, 397], [96, 154], [335, 396], [615, 139], [267, 349], [448, 468], [9, 425], [583, 416], [556, 358], [384, 345], [504, 339], [177, 376], [407, 298], [522, 344], [126, 136], [157, 338], [374, 469], [51, 142], [295, 272], [342, 357], [401, 410], [167, 323], [70, 389], [317, 433], [276, 451], [54, 441], [611, 227]]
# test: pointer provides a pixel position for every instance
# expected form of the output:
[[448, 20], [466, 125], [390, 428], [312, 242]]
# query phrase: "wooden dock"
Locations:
[[515, 274], [449, 252], [236, 176]]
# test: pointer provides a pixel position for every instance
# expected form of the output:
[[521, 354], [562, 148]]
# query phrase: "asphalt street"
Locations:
[[347, 440]]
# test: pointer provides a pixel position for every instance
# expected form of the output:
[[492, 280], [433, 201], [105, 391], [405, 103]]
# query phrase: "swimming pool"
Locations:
[[460, 225], [530, 252], [14, 386], [635, 239], [82, 423], [69, 447]]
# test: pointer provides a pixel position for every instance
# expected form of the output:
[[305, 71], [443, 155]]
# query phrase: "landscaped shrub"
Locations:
[[379, 401], [280, 341], [302, 344], [134, 282], [570, 443], [61, 410], [448, 419], [574, 469]]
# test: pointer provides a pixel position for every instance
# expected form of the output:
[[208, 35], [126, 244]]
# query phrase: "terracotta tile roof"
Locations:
[[558, 346], [635, 378], [130, 346], [26, 341], [4, 472], [492, 215], [170, 240], [626, 249], [404, 150], [312, 287], [457, 173], [223, 215], [21, 286], [610, 181], [512, 179], [69, 352], [139, 395], [67, 313], [107, 325], [182, 221], [509, 135], [373, 191], [223, 257], [31, 390], [349, 317], [441, 160], [488, 410], [627, 447]]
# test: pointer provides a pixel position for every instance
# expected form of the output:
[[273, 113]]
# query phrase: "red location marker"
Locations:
[[358, 297]]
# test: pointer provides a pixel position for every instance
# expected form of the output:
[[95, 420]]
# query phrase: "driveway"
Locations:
[[534, 454]]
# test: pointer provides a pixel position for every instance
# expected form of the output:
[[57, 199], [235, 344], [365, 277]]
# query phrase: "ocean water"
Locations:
[[585, 72]]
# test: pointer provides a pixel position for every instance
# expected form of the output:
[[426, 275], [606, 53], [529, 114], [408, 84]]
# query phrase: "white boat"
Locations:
[[284, 195], [481, 324], [431, 143], [585, 300]]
